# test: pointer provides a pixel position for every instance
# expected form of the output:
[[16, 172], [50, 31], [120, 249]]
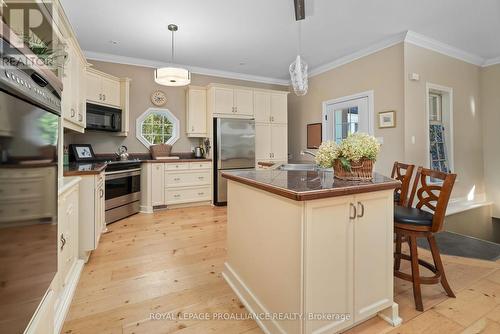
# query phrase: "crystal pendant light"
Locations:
[[172, 76], [298, 72]]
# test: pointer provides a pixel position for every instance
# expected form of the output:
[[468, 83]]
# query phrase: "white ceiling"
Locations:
[[260, 37]]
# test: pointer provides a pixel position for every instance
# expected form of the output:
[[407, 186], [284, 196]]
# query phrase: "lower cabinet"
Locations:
[[348, 259], [92, 213], [43, 319], [169, 183]]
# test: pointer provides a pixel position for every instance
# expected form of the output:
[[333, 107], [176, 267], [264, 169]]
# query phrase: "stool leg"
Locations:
[[397, 259], [415, 273], [436, 256]]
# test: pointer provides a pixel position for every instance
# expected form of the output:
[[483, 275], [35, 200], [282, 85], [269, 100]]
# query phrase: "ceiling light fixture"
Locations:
[[172, 76], [298, 69]]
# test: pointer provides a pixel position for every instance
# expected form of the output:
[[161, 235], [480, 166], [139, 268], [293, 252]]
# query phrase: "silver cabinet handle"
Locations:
[[104, 97], [80, 118], [352, 216], [73, 112], [201, 177], [100, 97], [201, 194], [177, 195], [177, 179], [101, 192], [63, 241], [362, 213]]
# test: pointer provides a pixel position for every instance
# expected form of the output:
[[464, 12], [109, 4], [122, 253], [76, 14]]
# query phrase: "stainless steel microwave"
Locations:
[[103, 118]]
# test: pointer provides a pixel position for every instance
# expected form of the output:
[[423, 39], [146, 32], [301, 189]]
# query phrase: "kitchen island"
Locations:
[[308, 253]]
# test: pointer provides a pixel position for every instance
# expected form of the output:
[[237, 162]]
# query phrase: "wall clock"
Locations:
[[158, 98]]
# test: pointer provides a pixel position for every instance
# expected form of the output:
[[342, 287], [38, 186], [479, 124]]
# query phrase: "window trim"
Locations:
[[446, 102], [175, 125], [371, 107]]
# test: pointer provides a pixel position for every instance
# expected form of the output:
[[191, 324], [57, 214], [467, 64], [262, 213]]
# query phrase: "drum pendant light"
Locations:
[[172, 76]]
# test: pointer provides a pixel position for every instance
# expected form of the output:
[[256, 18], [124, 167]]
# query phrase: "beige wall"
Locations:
[[490, 108], [141, 87], [381, 72], [463, 77]]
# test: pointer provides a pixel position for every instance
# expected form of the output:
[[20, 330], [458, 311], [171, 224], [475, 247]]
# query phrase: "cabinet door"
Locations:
[[243, 101], [328, 261], [111, 92], [100, 221], [223, 100], [80, 84], [157, 184], [263, 141], [373, 254], [197, 112], [279, 142], [262, 107], [279, 108], [68, 109], [94, 87]]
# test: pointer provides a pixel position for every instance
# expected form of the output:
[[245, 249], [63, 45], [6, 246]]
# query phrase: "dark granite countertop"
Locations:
[[93, 168], [308, 185]]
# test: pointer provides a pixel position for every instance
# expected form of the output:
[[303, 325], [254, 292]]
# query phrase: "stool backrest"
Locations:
[[403, 173], [433, 195]]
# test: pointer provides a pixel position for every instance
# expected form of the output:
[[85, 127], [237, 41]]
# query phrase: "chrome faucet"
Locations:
[[304, 152]]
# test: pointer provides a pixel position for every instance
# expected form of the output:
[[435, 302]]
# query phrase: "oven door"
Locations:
[[122, 187]]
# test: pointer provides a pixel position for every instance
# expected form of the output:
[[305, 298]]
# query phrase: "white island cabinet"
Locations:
[[307, 246]]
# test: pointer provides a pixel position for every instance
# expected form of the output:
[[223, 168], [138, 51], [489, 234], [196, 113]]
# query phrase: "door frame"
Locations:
[[369, 94]]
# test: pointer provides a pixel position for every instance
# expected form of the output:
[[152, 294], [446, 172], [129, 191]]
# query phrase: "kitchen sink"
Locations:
[[299, 167]]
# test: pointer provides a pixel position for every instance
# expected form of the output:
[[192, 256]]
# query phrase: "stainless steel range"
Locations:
[[123, 189]]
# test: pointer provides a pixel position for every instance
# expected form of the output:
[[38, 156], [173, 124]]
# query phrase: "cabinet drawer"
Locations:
[[187, 195], [25, 187], [179, 166], [14, 211], [187, 179], [200, 165]]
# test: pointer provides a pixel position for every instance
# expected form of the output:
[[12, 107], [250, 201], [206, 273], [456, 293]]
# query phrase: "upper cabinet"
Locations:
[[228, 100], [196, 112], [270, 107], [103, 89], [110, 91]]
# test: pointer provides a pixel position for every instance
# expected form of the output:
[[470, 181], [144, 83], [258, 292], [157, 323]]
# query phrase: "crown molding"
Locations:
[[391, 41], [492, 61], [437, 46], [111, 58]]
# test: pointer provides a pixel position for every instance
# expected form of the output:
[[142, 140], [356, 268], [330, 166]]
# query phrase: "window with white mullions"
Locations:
[[157, 126]]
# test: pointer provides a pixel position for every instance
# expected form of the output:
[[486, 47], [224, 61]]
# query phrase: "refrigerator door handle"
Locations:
[[219, 146]]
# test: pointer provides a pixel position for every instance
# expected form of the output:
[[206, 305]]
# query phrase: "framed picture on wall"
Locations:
[[387, 119], [314, 135]]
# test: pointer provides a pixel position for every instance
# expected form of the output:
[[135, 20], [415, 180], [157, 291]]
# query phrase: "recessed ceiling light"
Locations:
[[113, 42]]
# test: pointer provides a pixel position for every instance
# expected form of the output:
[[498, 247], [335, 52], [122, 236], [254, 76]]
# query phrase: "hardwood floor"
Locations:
[[170, 262]]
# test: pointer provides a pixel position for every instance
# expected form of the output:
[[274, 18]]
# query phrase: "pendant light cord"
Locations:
[[300, 37], [172, 46]]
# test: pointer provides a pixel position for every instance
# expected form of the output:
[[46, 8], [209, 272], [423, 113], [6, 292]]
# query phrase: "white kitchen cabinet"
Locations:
[[157, 186], [43, 319], [270, 107], [67, 234], [91, 214], [196, 112], [271, 142], [105, 89], [229, 100]]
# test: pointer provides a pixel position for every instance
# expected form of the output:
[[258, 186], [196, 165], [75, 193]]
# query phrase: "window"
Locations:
[[440, 126], [347, 115], [157, 126]]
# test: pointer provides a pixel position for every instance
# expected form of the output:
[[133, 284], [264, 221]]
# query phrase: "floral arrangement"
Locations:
[[356, 147]]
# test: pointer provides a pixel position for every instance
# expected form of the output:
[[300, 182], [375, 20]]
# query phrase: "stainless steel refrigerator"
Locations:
[[234, 148]]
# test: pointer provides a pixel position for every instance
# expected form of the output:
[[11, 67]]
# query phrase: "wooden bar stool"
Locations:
[[413, 222], [403, 173]]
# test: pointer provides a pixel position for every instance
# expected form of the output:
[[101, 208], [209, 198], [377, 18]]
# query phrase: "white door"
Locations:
[[243, 101], [279, 142], [262, 142], [345, 117], [224, 101], [373, 254], [279, 108], [94, 87], [111, 92], [262, 107]]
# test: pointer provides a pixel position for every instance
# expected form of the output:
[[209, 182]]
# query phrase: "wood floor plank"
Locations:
[[170, 262]]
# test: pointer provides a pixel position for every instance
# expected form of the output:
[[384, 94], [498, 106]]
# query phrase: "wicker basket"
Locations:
[[360, 171]]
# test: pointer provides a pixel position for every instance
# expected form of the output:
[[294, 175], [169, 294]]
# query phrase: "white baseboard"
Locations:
[[145, 209], [67, 296], [461, 204], [249, 300]]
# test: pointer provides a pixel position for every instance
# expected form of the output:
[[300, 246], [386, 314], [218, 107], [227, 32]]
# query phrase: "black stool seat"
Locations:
[[413, 216], [397, 197]]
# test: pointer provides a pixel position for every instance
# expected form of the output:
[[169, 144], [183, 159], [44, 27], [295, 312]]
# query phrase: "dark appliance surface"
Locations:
[[122, 189], [30, 109], [103, 118]]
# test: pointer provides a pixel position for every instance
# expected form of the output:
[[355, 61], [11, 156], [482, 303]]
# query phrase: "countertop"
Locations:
[[93, 168], [308, 185]]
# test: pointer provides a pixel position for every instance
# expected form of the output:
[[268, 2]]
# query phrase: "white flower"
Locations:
[[326, 154]]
